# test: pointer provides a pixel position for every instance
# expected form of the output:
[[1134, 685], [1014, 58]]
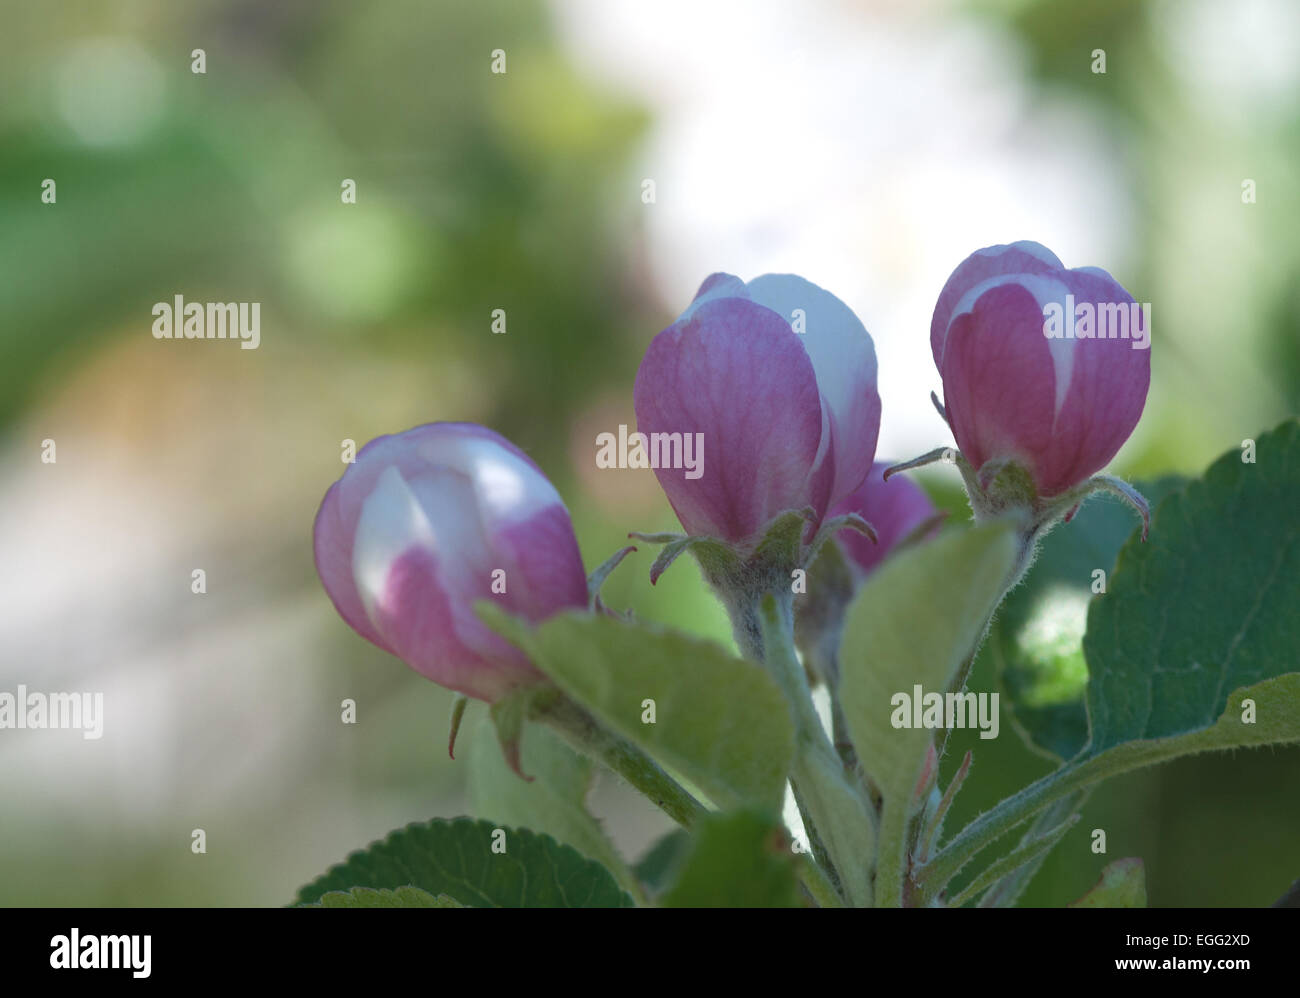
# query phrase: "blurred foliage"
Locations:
[[476, 191]]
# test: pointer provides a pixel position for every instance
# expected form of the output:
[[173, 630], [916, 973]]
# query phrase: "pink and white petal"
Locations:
[[335, 529], [1106, 393], [715, 286], [1023, 257], [419, 576], [844, 360], [547, 573], [999, 378], [509, 485], [735, 372], [392, 522], [508, 474], [428, 622], [332, 546], [894, 509], [1047, 290]]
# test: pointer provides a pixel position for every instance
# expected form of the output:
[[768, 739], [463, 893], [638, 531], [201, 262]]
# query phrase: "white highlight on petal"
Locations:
[[728, 286], [1045, 290], [453, 506], [842, 355], [392, 522], [500, 484], [509, 489], [1036, 250]]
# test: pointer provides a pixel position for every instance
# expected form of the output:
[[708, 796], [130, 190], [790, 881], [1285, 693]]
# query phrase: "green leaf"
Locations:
[[913, 622], [1123, 884], [838, 818], [718, 720], [1192, 648], [655, 868], [597, 578], [1208, 607], [1006, 892], [737, 860], [367, 897], [456, 858], [1036, 642], [1021, 856], [553, 803], [1274, 705]]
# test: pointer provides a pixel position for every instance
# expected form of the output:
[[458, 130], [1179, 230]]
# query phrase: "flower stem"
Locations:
[[818, 885], [1005, 892], [1021, 806], [1027, 544], [580, 730], [840, 818]]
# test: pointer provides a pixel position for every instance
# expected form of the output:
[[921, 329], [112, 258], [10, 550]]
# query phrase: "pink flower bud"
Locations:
[[895, 509], [428, 522], [779, 378], [1059, 398]]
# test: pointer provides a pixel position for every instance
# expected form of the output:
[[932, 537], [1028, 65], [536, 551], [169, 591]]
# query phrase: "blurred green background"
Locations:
[[900, 137]]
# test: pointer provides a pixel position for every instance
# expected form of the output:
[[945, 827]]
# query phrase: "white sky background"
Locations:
[[867, 147]]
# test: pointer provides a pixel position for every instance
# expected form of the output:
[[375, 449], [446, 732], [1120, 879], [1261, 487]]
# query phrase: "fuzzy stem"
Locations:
[[825, 664], [840, 818], [1026, 803], [580, 730], [818, 885], [1006, 891], [1027, 545]]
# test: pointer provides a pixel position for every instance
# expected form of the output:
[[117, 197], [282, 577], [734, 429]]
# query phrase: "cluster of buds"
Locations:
[[779, 376]]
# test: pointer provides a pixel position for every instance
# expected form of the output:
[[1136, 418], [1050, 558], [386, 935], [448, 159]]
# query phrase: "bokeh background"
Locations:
[[866, 145]]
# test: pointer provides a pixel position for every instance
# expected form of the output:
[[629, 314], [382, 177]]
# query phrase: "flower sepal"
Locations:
[[742, 576], [1005, 489], [597, 579], [1001, 488], [511, 712], [819, 620]]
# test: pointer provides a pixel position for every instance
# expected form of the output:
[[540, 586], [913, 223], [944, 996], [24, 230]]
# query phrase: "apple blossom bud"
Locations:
[[1043, 367], [427, 522], [897, 510], [1045, 374], [779, 377]]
